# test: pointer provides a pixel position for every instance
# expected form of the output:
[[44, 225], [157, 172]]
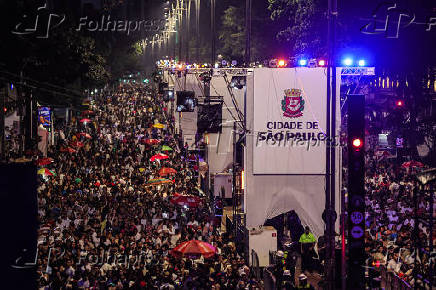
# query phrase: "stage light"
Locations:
[[302, 62], [357, 143], [362, 62], [321, 62], [348, 61], [281, 63]]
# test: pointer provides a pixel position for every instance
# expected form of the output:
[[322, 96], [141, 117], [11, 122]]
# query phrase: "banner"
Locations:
[[289, 121], [44, 116], [284, 178]]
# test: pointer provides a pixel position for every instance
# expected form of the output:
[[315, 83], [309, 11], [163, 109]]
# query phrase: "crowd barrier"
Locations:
[[392, 281]]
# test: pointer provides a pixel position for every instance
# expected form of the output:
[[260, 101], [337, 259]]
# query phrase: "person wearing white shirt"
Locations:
[[394, 265]]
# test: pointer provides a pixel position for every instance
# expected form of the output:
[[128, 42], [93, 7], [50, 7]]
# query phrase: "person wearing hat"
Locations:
[[307, 241], [303, 283], [288, 280], [278, 268]]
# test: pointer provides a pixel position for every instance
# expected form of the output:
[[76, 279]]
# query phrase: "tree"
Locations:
[[66, 61], [303, 25], [231, 34]]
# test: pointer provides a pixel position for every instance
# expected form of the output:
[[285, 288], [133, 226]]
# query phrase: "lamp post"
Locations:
[[248, 32], [197, 30], [330, 214], [212, 24]]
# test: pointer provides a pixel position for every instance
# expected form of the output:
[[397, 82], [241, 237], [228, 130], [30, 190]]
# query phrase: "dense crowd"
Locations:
[[394, 238], [103, 227]]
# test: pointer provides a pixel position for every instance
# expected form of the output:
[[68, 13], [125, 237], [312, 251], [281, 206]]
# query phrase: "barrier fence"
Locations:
[[255, 264], [392, 281]]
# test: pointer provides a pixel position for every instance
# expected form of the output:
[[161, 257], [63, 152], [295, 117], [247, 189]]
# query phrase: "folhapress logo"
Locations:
[[41, 26]]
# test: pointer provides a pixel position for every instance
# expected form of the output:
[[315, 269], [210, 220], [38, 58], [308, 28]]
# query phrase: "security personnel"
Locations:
[[303, 284], [307, 241], [279, 268]]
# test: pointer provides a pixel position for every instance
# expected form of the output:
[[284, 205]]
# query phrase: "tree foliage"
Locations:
[[303, 25], [231, 34], [67, 58]]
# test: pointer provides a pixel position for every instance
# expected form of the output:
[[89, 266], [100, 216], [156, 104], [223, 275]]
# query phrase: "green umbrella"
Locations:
[[166, 148], [78, 180]]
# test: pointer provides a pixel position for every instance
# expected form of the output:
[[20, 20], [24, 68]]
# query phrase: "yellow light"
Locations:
[[242, 179]]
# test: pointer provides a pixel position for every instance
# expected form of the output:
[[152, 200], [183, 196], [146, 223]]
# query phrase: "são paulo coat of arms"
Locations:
[[292, 103]]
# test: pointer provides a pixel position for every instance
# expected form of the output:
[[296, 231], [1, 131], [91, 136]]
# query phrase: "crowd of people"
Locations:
[[103, 226], [395, 239]]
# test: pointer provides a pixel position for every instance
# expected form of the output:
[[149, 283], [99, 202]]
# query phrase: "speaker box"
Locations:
[[209, 119]]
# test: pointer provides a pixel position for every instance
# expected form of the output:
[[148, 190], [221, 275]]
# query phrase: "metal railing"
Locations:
[[255, 264], [391, 281]]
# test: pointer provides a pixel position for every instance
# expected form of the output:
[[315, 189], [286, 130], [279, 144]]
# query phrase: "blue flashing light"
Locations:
[[348, 61], [362, 62], [302, 62]]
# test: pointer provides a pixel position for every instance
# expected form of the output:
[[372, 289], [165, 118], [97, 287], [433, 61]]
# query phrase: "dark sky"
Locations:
[[407, 44]]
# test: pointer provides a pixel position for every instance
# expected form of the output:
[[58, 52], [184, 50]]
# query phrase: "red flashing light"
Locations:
[[357, 143], [281, 63], [399, 103], [321, 62], [5, 109]]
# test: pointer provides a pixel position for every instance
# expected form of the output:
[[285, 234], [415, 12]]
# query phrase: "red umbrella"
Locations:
[[44, 161], [188, 200], [158, 156], [151, 141], [194, 248], [166, 170], [412, 163], [77, 144], [85, 120], [86, 135]]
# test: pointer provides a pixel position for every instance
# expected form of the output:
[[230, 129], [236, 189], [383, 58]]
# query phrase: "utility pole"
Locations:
[[330, 193], [248, 4], [197, 30], [212, 23], [188, 20]]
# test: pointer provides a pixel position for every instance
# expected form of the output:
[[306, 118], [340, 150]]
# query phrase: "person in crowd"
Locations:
[[303, 283], [307, 241]]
